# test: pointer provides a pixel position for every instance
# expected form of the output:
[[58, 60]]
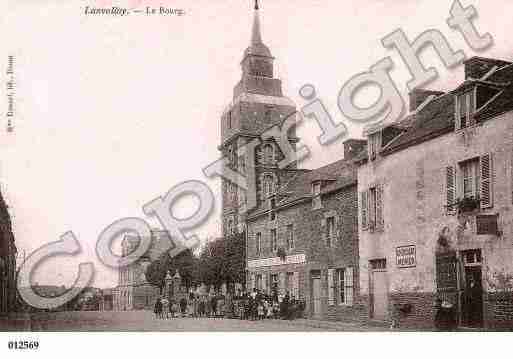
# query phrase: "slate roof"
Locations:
[[336, 176], [437, 118]]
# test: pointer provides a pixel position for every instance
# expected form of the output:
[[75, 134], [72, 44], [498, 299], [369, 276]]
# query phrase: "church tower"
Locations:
[[258, 104]]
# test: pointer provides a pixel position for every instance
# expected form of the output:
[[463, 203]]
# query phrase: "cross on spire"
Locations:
[[256, 5]]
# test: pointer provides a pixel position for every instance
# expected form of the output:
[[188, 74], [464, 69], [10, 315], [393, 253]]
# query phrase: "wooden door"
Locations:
[[380, 295], [316, 294]]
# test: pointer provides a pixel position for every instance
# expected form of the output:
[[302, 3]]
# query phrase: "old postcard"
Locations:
[[255, 166]]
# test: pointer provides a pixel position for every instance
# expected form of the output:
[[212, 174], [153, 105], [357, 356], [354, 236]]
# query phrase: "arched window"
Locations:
[[268, 154], [268, 185]]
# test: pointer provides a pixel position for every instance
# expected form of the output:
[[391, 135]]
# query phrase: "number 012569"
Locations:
[[23, 345]]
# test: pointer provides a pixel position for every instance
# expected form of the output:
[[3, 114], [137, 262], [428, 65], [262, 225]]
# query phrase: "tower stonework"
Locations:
[[257, 105]]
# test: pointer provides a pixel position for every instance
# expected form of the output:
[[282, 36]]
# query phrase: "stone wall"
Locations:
[[414, 197], [412, 310], [499, 311], [309, 240]]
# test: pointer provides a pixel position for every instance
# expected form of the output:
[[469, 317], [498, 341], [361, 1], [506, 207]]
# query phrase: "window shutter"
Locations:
[[486, 181], [296, 285], [379, 207], [363, 210], [457, 119], [450, 186], [371, 209], [338, 225], [331, 289], [348, 282], [471, 107]]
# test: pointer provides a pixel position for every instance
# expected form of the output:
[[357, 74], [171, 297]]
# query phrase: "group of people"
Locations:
[[254, 305], [258, 305], [192, 306]]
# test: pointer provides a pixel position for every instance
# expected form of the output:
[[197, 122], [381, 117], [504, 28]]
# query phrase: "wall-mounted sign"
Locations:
[[406, 256], [276, 261]]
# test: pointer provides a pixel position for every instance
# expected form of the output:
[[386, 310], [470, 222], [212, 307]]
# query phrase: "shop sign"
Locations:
[[276, 261], [406, 256]]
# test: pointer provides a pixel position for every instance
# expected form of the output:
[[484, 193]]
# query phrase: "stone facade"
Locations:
[[134, 292], [321, 225], [411, 209], [320, 253]]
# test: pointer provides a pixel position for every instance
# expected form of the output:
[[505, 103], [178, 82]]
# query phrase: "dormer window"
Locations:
[[316, 195], [374, 144], [465, 108]]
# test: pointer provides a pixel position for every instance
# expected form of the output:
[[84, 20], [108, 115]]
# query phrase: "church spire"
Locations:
[[256, 37]]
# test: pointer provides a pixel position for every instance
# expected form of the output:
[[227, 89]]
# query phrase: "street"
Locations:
[[145, 321]]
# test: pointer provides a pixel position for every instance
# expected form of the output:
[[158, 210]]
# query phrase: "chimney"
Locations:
[[353, 147], [418, 96], [477, 67]]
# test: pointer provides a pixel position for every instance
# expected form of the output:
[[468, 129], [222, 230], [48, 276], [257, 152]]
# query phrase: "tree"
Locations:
[[185, 263], [223, 261], [211, 263], [156, 273]]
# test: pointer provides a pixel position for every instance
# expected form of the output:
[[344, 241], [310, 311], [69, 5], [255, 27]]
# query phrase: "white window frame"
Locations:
[[469, 171], [344, 287], [268, 184]]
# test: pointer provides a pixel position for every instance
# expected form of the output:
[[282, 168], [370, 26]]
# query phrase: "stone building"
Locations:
[[134, 292], [436, 201], [302, 236], [8, 252], [304, 240], [258, 104]]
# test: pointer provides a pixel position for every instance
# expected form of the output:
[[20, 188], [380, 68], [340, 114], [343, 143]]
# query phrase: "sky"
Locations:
[[111, 112]]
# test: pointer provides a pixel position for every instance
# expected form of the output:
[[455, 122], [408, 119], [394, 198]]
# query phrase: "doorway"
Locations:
[[379, 290], [472, 301], [316, 293]]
